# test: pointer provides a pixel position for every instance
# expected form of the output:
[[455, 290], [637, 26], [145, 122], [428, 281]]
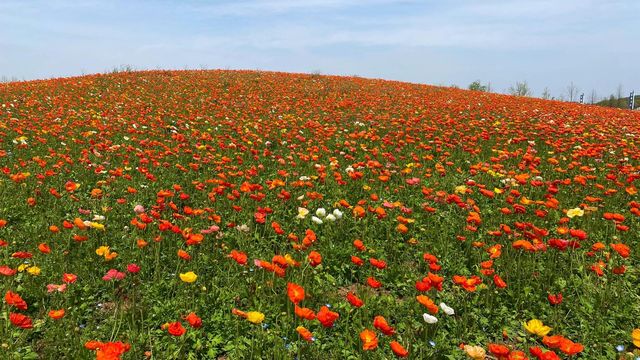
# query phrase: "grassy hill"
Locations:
[[621, 103], [262, 215]]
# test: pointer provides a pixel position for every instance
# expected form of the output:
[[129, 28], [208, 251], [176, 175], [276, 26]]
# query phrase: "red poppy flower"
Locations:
[[327, 317], [498, 350], [239, 257], [176, 329], [373, 282], [354, 300], [497, 280], [69, 278], [13, 299], [315, 258], [193, 320], [21, 321], [555, 299], [357, 261]]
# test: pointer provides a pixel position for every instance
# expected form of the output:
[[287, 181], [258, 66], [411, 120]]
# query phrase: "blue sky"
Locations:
[[549, 43]]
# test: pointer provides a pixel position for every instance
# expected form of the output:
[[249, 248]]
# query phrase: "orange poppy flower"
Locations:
[[398, 349], [56, 314], [295, 292], [369, 340], [304, 313], [358, 211], [305, 334], [428, 303], [380, 323]]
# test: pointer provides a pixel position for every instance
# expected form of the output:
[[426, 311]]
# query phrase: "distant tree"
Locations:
[[546, 94], [572, 91], [489, 86], [593, 98], [6, 79], [122, 68], [612, 101], [520, 89], [619, 91], [477, 86]]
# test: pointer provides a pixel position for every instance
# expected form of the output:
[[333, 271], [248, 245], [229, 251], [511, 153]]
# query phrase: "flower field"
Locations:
[[239, 214]]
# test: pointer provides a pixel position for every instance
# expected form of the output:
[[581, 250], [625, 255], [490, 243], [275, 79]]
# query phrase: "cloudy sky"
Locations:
[[548, 43]]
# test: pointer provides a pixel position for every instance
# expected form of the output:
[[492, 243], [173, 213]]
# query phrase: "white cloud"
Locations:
[[422, 40], [262, 7]]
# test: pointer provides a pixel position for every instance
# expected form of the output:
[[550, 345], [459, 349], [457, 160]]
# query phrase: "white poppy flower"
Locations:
[[429, 319], [447, 309], [337, 213], [330, 217], [316, 220], [321, 212]]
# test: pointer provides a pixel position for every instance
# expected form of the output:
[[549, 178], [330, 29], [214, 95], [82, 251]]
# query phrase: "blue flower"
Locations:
[[620, 348]]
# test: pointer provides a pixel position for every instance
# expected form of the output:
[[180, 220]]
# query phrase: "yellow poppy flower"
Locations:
[[475, 352], [302, 213], [635, 336], [255, 317], [290, 260], [536, 327], [571, 213], [460, 189], [97, 226], [188, 277], [34, 270], [102, 250]]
